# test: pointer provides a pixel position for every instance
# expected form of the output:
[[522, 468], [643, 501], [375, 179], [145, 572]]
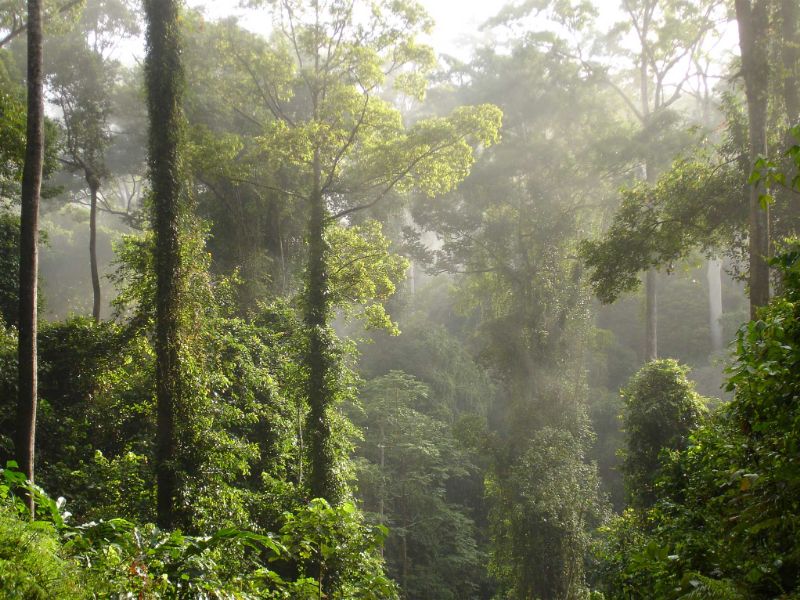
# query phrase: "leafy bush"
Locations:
[[319, 549], [33, 563], [661, 409], [727, 510], [552, 502]]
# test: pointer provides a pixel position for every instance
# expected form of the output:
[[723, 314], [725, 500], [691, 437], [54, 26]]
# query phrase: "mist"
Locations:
[[424, 300]]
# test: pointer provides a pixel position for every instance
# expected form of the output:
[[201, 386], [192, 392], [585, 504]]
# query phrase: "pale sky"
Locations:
[[456, 20], [457, 24]]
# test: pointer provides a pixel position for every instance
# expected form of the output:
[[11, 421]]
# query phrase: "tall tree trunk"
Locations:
[[322, 479], [651, 281], [651, 297], [651, 316], [714, 276], [165, 90], [753, 23], [791, 60], [28, 248], [94, 186]]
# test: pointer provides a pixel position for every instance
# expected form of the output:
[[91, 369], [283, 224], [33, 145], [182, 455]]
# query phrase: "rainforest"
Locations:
[[400, 299]]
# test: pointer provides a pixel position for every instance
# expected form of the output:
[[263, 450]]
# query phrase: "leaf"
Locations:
[[747, 481]]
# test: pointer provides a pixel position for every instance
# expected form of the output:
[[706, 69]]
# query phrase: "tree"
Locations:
[[725, 509], [648, 75], [409, 462], [753, 20], [82, 83], [256, 229], [9, 267], [508, 237], [755, 213], [12, 135], [351, 150], [29, 250], [661, 411], [542, 518], [164, 93], [669, 37], [790, 59], [694, 205]]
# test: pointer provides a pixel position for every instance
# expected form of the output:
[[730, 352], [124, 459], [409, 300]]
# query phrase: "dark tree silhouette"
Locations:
[[29, 240], [164, 92]]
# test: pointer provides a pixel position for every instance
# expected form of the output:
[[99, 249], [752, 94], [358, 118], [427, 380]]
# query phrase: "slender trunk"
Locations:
[[28, 248], [284, 270], [714, 275], [381, 499], [651, 299], [753, 25], [164, 88], [790, 50], [651, 316], [300, 443], [406, 570], [651, 292], [93, 189], [791, 60], [322, 479]]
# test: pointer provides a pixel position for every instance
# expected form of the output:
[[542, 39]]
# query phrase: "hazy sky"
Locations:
[[457, 24], [456, 20]]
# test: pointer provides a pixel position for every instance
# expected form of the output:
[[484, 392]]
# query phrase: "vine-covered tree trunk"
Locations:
[[322, 480], [753, 20], [94, 186], [164, 90], [28, 247]]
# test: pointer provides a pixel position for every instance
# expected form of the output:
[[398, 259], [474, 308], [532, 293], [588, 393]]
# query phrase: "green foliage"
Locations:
[[459, 386], [508, 236], [335, 543], [13, 120], [363, 273], [693, 205], [254, 159], [410, 468], [33, 563], [120, 557], [542, 515], [661, 410], [49, 558], [725, 515], [9, 267], [12, 136], [698, 204], [478, 454]]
